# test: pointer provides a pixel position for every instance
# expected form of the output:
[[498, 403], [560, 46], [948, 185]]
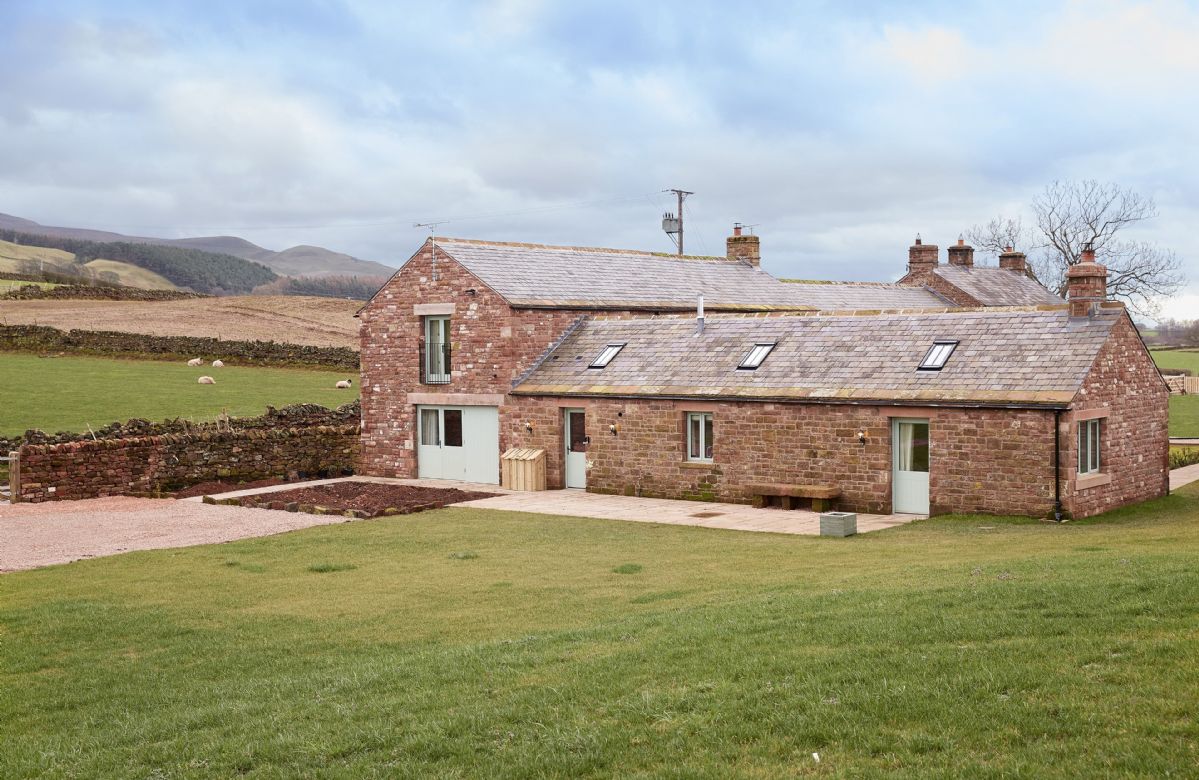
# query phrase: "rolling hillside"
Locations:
[[18, 258], [296, 261]]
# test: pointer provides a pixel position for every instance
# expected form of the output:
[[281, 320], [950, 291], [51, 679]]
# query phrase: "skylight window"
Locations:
[[756, 356], [605, 357], [937, 355]]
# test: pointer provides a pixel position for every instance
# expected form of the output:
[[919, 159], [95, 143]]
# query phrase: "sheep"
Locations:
[[206, 380], [217, 364], [343, 384], [196, 362]]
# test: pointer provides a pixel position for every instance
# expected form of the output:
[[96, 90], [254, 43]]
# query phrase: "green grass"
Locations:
[[1184, 415], [1177, 358], [954, 647], [68, 393], [7, 285]]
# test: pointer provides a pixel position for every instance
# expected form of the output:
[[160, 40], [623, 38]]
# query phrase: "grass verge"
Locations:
[[958, 646], [1184, 415]]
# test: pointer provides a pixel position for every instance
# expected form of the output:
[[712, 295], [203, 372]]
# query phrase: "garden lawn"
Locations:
[[1184, 415], [471, 643], [69, 393]]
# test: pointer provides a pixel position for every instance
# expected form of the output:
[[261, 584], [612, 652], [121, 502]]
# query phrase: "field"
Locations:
[[15, 257], [68, 393], [1184, 416], [12, 284], [468, 643], [294, 319], [1177, 358]]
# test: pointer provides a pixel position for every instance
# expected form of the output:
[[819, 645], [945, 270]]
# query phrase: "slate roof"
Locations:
[[865, 295], [540, 275], [1025, 356], [993, 286]]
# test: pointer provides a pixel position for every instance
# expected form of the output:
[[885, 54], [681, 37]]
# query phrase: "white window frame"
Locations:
[[938, 355], [704, 418], [606, 355], [1090, 456], [756, 355], [436, 369]]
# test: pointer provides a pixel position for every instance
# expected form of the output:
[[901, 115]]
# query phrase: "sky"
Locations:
[[840, 130]]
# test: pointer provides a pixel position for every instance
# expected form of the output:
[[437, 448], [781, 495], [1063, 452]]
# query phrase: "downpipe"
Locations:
[[1057, 465]]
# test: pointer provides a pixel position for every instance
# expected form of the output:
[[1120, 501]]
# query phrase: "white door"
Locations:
[[909, 472], [576, 442], [458, 442]]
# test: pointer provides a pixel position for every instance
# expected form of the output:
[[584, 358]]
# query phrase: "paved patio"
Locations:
[[1184, 476], [578, 503]]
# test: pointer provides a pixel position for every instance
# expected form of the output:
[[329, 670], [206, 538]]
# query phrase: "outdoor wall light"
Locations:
[[529, 427], [614, 429], [861, 437]]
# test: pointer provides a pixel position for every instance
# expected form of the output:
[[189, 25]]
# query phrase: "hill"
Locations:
[[20, 258], [319, 322], [297, 261]]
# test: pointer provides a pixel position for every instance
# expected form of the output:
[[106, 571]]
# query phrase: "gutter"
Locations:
[[915, 403]]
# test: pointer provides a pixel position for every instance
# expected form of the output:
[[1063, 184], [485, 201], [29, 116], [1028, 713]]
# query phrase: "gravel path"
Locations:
[[33, 535]]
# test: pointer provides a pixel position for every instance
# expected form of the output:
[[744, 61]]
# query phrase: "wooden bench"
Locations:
[[822, 496]]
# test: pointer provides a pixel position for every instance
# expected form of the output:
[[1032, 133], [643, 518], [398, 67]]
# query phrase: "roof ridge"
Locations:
[[719, 316], [441, 240], [847, 283]]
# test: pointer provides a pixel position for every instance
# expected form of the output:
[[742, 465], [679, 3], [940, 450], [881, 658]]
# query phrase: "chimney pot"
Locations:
[[962, 254], [745, 248], [1013, 261], [922, 259], [1086, 284]]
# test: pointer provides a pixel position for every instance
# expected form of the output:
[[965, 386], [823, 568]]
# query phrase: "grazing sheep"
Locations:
[[217, 364], [206, 380], [343, 384], [196, 362]]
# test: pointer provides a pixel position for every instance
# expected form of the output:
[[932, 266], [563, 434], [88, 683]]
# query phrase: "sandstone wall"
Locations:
[[91, 469]]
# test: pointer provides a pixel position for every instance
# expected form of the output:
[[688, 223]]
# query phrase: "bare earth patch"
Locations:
[[221, 486], [367, 497], [35, 535]]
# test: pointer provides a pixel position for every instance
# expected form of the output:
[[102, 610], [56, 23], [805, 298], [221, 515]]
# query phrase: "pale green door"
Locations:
[[909, 466], [576, 441]]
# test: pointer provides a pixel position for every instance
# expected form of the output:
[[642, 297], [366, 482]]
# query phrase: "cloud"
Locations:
[[841, 130]]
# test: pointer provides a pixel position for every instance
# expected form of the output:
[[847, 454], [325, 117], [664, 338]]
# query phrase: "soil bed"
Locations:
[[365, 499], [222, 486]]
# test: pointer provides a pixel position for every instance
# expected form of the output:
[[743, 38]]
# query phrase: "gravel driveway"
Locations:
[[33, 535]]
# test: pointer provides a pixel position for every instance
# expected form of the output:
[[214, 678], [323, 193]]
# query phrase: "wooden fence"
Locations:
[[1191, 385]]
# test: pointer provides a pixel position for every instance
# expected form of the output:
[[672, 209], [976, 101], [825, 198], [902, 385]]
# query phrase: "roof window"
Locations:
[[605, 357], [937, 355], [755, 356]]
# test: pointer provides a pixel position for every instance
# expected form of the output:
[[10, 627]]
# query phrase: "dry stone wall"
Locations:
[[146, 464], [40, 338]]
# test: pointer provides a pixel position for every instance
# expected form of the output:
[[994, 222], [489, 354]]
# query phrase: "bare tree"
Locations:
[[1001, 234], [1072, 214]]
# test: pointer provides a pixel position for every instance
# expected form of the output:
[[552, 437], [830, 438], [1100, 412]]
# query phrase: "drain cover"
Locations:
[[707, 514]]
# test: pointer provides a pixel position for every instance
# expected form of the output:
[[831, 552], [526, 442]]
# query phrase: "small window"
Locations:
[[937, 355], [430, 428], [605, 357], [1088, 447], [452, 423], [699, 437], [756, 356]]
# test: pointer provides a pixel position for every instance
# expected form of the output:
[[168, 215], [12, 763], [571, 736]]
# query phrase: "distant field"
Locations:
[[14, 284], [1177, 358], [68, 393], [1184, 415], [295, 319], [14, 258]]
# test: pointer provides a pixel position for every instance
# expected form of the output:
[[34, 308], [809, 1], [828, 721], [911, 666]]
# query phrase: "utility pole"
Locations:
[[674, 225]]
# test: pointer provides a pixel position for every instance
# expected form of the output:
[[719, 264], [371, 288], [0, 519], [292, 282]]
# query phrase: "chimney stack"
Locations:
[[1086, 284], [743, 248], [1013, 260], [922, 258], [962, 254]]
